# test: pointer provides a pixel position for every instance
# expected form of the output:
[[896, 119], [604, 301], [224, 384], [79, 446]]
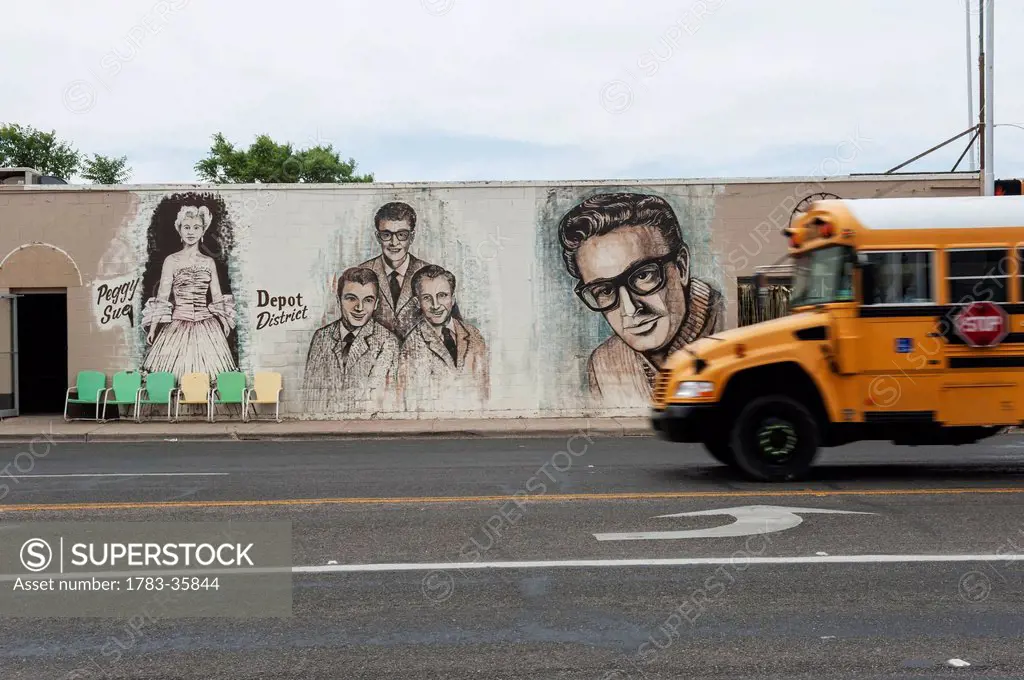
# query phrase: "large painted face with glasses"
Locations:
[[395, 239], [631, 277]]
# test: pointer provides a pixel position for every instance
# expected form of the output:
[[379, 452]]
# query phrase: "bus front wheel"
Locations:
[[774, 439], [720, 450]]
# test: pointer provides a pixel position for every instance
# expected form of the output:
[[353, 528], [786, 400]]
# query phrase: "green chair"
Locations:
[[158, 391], [229, 389], [126, 391], [88, 388]]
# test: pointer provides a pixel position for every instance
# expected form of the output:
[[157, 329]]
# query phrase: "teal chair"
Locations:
[[158, 391], [229, 389], [127, 385], [88, 388]]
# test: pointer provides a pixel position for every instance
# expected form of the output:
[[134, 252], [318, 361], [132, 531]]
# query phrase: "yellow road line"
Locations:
[[822, 493]]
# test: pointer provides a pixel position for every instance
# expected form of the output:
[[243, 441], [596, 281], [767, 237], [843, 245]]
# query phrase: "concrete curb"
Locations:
[[345, 431], [98, 439], [311, 436]]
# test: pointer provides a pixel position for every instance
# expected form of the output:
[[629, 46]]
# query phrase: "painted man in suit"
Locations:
[[352, 362], [395, 230], [628, 253], [444, 362]]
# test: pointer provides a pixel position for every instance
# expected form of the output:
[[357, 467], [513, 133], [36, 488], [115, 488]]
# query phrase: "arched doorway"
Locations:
[[34, 280]]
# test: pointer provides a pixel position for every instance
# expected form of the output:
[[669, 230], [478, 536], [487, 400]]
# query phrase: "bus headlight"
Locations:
[[692, 390]]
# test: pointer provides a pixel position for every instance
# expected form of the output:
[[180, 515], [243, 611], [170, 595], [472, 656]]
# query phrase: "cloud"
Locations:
[[455, 89]]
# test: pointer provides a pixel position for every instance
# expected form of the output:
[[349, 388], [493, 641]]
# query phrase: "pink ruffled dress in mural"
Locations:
[[196, 339]]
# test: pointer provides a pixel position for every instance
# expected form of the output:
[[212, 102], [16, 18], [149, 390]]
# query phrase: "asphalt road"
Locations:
[[837, 593]]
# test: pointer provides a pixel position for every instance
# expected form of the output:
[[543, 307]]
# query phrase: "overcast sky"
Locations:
[[528, 89]]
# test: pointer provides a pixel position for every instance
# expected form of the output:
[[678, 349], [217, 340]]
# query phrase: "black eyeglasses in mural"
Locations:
[[630, 245], [645, 278], [385, 236]]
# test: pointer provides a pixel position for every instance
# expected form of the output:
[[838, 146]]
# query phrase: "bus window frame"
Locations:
[[851, 253], [933, 264], [1006, 249], [1018, 250]]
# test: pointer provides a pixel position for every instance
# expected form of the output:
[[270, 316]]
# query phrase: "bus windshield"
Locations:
[[823, 275]]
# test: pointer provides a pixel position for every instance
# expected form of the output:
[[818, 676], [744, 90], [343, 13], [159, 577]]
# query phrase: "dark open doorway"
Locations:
[[42, 352]]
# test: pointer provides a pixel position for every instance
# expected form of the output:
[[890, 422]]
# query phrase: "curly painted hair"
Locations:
[[604, 213]]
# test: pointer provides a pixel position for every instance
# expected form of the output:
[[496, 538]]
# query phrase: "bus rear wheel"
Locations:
[[774, 439]]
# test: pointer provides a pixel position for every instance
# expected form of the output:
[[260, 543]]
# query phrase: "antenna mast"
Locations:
[[987, 148], [973, 159]]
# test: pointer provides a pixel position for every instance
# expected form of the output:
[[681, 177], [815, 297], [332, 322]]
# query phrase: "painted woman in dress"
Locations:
[[190, 300]]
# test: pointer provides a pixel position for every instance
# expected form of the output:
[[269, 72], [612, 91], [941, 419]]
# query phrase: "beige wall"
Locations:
[[533, 343], [749, 217]]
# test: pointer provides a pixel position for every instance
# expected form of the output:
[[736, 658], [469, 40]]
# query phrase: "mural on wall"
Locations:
[[395, 230], [189, 314], [352, 362], [443, 359], [401, 300], [633, 266], [401, 343], [297, 310], [115, 302]]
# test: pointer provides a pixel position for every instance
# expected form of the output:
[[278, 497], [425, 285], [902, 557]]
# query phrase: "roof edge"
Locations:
[[200, 186]]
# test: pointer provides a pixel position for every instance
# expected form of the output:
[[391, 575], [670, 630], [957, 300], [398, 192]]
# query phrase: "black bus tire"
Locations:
[[775, 439], [721, 451]]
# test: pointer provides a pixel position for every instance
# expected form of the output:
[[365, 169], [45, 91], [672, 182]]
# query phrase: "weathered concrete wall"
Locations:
[[190, 278]]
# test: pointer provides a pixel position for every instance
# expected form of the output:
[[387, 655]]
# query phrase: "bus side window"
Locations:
[[901, 277], [977, 274]]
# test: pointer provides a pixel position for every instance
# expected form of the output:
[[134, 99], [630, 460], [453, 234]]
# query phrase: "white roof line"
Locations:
[[958, 181], [945, 212]]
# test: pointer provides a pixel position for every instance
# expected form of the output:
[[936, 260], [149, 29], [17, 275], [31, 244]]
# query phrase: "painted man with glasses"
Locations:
[[395, 229], [628, 253]]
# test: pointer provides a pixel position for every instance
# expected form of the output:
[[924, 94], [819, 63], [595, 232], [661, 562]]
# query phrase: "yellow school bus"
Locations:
[[906, 324]]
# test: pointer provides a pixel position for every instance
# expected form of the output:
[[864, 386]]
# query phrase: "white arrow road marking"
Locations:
[[750, 521]]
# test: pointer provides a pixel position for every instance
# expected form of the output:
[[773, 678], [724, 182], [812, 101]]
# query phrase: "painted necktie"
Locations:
[[449, 342], [396, 289], [346, 344]]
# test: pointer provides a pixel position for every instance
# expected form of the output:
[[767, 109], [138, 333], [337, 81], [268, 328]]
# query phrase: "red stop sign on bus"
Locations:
[[982, 324]]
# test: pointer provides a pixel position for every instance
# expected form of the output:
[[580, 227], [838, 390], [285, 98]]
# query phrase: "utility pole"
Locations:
[[973, 159], [989, 7], [981, 89], [982, 129]]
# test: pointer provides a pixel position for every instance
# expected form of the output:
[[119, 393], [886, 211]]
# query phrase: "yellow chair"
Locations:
[[267, 390], [194, 389]]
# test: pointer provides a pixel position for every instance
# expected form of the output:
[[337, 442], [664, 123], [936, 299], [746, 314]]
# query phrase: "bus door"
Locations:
[[902, 353]]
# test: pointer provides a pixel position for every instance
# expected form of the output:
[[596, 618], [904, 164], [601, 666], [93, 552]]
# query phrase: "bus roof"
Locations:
[[946, 212]]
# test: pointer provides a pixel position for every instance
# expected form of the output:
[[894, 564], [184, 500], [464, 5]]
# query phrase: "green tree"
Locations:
[[267, 162], [25, 147], [106, 170]]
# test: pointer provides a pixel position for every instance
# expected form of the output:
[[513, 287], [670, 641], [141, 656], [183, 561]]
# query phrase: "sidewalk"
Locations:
[[38, 428]]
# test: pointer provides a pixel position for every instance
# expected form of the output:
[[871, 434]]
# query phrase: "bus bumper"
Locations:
[[687, 423]]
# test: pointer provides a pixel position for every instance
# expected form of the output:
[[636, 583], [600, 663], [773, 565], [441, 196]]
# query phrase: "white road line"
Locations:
[[130, 474], [654, 562], [535, 564]]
